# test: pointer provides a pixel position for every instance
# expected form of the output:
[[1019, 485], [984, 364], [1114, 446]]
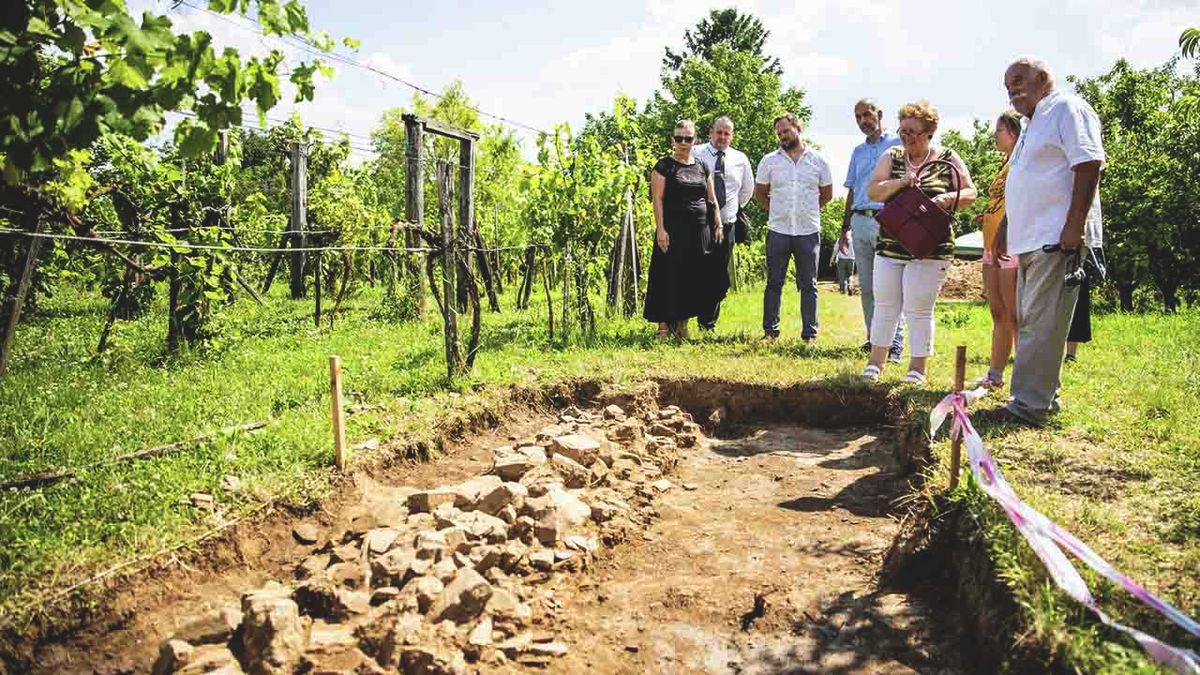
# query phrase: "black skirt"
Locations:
[[677, 288], [1081, 320]]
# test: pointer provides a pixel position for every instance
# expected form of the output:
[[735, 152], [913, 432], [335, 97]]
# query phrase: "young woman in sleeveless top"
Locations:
[[999, 268], [904, 283]]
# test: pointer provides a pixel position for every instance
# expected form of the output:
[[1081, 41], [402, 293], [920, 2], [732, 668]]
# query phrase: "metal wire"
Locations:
[[313, 50], [209, 247]]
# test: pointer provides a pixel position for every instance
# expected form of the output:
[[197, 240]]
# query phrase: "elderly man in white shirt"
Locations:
[[734, 183], [793, 184], [1052, 184]]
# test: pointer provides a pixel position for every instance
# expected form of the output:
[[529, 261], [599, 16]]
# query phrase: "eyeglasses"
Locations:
[[683, 139]]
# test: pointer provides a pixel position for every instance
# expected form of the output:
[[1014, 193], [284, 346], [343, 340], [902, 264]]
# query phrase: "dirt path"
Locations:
[[798, 518]]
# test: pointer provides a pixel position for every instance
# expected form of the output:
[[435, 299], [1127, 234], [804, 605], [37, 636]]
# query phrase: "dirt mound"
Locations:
[[964, 281]]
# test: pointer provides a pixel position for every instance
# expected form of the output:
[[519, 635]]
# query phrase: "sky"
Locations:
[[542, 63]]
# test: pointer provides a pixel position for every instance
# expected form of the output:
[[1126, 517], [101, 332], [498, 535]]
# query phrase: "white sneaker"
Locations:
[[871, 373]]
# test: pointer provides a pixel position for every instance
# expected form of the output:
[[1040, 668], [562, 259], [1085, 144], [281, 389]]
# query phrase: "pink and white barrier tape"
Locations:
[[1049, 541]]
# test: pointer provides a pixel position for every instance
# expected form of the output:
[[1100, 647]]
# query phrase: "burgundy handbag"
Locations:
[[915, 220]]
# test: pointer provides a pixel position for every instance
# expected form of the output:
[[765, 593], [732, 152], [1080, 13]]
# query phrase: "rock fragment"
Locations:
[[580, 447], [306, 533], [380, 540], [273, 632], [574, 474], [426, 501], [173, 655], [214, 659], [463, 599], [212, 628], [501, 496]]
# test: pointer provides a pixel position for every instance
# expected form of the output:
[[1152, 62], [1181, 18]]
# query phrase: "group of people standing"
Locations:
[[1043, 210], [698, 192]]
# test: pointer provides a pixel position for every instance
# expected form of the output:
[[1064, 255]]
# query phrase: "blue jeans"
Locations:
[[781, 249], [864, 231]]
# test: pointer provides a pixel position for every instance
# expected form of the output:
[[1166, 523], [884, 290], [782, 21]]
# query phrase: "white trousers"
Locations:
[[911, 287]]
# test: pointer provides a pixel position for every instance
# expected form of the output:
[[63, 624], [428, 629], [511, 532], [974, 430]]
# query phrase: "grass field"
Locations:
[[1118, 467]]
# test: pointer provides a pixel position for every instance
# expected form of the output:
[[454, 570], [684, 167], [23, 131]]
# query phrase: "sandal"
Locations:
[[988, 383], [663, 334], [871, 373], [914, 377]]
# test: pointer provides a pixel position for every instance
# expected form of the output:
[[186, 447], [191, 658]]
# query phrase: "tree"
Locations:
[[71, 72], [727, 82], [1189, 46], [1150, 191], [983, 160], [737, 31]]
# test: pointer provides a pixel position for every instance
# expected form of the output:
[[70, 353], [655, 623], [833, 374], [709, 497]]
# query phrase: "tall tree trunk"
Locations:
[[1125, 294]]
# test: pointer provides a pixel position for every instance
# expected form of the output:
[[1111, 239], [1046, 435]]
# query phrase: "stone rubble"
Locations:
[[449, 576]]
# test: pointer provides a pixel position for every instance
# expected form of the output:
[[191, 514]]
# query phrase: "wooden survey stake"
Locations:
[[960, 374], [339, 417]]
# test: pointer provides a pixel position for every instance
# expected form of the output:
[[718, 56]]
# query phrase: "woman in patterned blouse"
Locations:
[[902, 282]]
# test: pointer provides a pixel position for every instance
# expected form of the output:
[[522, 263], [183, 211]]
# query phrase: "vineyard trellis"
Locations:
[[455, 252]]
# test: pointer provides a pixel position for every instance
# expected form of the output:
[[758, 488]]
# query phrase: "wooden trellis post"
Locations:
[[414, 202], [449, 265], [299, 217], [455, 244]]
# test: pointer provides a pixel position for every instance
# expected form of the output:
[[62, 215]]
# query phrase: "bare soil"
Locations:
[[764, 560], [763, 557], [964, 281]]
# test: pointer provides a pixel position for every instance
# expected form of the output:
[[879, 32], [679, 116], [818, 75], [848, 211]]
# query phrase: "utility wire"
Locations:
[[313, 50]]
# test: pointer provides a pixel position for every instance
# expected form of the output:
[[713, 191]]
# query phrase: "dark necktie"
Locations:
[[719, 178]]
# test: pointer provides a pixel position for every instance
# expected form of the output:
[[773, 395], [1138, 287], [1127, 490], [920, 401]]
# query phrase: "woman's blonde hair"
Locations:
[[686, 123], [920, 110], [1010, 120]]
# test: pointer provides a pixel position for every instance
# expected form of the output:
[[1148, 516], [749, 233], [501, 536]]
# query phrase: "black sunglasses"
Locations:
[[683, 139]]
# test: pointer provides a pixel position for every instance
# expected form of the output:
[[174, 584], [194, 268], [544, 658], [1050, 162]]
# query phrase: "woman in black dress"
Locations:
[[684, 204]]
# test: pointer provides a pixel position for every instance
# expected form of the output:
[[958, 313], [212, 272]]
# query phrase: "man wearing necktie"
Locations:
[[733, 180]]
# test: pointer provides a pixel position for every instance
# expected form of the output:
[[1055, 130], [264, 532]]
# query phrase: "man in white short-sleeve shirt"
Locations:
[[1051, 190], [793, 184]]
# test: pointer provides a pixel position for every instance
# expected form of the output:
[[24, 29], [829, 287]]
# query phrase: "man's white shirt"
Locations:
[[739, 178], [795, 190], [1063, 132]]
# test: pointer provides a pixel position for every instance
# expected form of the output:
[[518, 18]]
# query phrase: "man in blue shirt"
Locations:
[[859, 228]]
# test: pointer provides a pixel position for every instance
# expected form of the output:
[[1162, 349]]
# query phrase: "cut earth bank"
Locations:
[[674, 526]]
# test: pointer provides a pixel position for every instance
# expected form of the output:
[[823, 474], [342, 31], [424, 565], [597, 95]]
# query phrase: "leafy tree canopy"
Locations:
[[729, 27], [72, 71], [731, 83]]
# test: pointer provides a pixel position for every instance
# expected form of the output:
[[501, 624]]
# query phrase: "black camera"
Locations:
[[1087, 263]]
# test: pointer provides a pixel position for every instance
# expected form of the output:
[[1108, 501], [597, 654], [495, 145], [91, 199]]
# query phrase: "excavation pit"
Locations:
[[753, 543]]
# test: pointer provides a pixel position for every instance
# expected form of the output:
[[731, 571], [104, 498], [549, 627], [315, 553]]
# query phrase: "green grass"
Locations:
[[1117, 467]]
